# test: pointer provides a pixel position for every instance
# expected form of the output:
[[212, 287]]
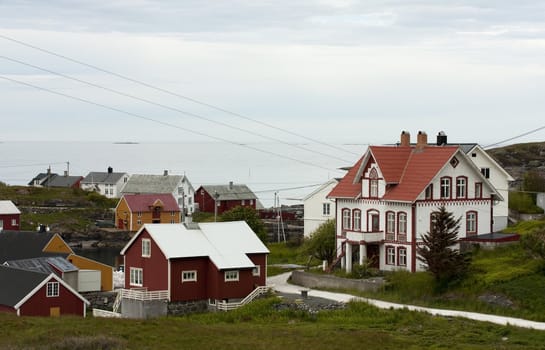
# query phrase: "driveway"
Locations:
[[280, 284]]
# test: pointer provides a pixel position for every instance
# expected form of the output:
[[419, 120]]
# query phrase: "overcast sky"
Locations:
[[337, 71]]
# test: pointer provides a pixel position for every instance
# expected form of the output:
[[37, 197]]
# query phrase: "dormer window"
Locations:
[[373, 183]]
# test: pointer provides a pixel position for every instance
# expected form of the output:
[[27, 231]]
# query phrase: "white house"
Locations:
[[387, 200], [178, 185], [107, 183], [318, 208]]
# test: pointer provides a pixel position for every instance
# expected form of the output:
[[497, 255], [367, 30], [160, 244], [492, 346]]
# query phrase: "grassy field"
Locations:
[[261, 326]]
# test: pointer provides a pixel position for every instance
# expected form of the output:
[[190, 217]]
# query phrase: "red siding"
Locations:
[[39, 304], [261, 260], [189, 290], [8, 309], [155, 268], [206, 203], [8, 218]]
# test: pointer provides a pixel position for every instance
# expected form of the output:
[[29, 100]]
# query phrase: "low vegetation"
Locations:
[[264, 325]]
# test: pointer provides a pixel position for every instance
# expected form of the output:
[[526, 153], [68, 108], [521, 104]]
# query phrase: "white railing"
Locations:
[[117, 301], [223, 306], [105, 313], [143, 294]]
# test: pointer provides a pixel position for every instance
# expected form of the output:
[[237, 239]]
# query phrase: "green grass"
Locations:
[[281, 253], [260, 326]]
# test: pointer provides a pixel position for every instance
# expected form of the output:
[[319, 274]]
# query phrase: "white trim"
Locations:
[[189, 279], [258, 269], [39, 286], [233, 278], [146, 242]]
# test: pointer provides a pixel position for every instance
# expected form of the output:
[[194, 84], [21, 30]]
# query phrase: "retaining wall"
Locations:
[[311, 280]]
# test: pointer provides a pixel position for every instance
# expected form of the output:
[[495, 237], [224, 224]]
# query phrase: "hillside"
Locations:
[[520, 158]]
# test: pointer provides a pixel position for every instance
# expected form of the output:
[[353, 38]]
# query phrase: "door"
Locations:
[[54, 311], [373, 254]]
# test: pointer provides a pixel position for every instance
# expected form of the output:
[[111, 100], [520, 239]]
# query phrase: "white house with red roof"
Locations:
[[387, 200]]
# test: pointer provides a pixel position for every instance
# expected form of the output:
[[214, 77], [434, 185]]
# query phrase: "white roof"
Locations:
[[225, 243], [7, 207]]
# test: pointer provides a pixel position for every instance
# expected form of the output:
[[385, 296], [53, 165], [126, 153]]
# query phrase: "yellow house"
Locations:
[[134, 210], [57, 245]]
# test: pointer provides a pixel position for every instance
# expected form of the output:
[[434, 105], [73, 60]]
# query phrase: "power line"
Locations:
[[238, 115], [162, 122], [30, 165], [515, 137], [253, 133]]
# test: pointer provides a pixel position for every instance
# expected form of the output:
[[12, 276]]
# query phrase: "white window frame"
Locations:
[[231, 276], [146, 247], [357, 220], [189, 276], [390, 255], [461, 187], [347, 219], [256, 271], [402, 257], [446, 191], [136, 277], [390, 222], [326, 209], [52, 289]]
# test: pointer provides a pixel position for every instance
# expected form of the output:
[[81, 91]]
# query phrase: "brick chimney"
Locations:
[[405, 139], [421, 140]]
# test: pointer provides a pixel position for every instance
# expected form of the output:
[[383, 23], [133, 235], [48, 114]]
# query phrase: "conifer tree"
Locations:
[[444, 262]]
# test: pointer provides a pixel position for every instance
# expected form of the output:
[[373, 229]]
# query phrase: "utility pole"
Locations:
[[216, 196]]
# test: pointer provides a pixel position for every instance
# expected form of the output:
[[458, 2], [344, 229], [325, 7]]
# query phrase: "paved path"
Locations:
[[280, 284]]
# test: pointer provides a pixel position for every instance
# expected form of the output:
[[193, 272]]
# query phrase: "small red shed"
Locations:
[[10, 216], [29, 293], [224, 197]]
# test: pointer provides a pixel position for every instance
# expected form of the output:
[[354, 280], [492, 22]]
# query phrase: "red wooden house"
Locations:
[[208, 261], [224, 197], [10, 216], [29, 293]]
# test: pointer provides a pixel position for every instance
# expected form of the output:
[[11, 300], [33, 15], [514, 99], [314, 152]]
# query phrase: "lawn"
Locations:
[[260, 326]]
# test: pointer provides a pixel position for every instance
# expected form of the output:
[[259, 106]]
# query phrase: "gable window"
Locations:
[[256, 271], [471, 222], [429, 192], [231, 275], [189, 276], [390, 256], [146, 248], [357, 220], [445, 187], [52, 289], [402, 256], [136, 277], [326, 209], [139, 214], [478, 190], [373, 183], [402, 226], [461, 187], [485, 172], [346, 219]]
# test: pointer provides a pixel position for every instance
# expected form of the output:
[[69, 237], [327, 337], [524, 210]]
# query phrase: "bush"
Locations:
[[523, 203]]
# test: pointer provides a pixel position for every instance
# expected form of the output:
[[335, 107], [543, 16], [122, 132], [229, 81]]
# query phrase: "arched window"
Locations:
[[346, 219], [373, 183], [373, 221], [356, 214]]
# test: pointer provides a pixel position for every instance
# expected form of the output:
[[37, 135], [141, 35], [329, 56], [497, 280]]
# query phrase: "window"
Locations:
[[402, 225], [357, 220], [390, 256], [139, 222], [346, 219], [433, 220], [373, 183], [180, 190], [402, 256], [485, 172], [251, 202], [190, 201], [139, 214], [373, 221], [137, 277], [429, 192], [471, 222], [445, 187], [256, 271], [390, 222], [172, 221], [13, 222], [146, 248], [231, 275], [326, 209], [189, 276], [461, 188], [478, 190], [52, 289]]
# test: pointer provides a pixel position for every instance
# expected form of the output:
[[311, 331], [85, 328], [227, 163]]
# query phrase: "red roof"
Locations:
[[143, 202], [346, 188], [408, 169]]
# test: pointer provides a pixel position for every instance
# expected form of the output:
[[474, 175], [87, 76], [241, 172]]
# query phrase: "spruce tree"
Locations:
[[444, 262]]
